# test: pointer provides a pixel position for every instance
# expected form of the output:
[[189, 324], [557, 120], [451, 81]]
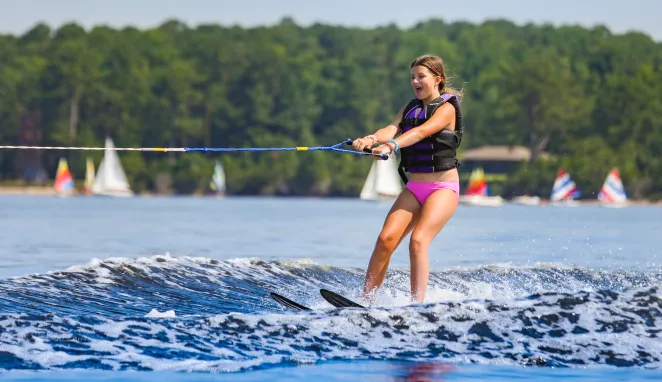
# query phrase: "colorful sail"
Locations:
[[564, 187], [478, 192], [64, 182], [89, 175], [612, 190], [477, 183]]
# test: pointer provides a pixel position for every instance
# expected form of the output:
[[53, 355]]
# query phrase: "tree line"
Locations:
[[590, 98]]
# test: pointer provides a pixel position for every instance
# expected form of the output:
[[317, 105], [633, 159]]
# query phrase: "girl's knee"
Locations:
[[387, 241], [418, 244]]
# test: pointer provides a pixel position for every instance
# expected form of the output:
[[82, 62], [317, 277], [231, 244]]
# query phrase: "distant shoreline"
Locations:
[[49, 191], [27, 190]]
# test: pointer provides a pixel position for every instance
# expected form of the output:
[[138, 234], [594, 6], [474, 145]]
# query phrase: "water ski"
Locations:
[[337, 300], [287, 302]]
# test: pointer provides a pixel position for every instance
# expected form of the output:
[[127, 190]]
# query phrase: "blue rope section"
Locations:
[[335, 148]]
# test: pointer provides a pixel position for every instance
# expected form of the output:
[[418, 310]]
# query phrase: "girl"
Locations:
[[430, 128]]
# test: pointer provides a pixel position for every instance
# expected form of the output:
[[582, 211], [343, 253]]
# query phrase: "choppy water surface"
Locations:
[[86, 282]]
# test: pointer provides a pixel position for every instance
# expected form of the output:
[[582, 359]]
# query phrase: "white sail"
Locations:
[[110, 179], [383, 181], [369, 191], [218, 180]]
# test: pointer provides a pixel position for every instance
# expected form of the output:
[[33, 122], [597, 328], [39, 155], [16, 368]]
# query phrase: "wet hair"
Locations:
[[435, 65]]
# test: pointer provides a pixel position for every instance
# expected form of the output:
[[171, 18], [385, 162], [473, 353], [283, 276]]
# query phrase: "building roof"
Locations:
[[499, 153]]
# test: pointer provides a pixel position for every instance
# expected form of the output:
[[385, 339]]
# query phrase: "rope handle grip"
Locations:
[[366, 149]]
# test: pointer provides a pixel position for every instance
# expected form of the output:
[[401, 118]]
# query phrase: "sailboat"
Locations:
[[613, 193], [564, 190], [218, 180], [526, 200], [478, 192], [89, 176], [383, 181], [110, 179], [64, 182]]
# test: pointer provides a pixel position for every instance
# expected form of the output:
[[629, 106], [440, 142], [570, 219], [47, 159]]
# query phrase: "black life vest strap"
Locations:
[[403, 176]]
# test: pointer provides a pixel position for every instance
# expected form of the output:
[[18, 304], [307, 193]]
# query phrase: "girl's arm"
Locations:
[[443, 117]]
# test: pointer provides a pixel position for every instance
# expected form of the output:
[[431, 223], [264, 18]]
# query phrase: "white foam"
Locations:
[[156, 314], [382, 333]]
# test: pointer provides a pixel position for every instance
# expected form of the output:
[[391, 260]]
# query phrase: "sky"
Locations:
[[619, 16]]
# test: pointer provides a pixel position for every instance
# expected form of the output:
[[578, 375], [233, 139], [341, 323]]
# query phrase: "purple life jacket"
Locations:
[[436, 152]]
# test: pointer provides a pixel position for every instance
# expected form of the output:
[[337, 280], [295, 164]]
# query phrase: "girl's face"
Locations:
[[424, 82]]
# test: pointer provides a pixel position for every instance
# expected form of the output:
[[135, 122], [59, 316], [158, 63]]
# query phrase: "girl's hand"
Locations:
[[362, 143], [383, 149]]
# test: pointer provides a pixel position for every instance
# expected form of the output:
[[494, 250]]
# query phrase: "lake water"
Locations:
[[515, 292]]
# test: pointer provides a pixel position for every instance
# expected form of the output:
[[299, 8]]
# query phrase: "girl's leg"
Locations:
[[435, 213], [398, 223]]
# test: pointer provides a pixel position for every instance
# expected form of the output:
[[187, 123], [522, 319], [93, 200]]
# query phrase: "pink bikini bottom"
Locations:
[[422, 190]]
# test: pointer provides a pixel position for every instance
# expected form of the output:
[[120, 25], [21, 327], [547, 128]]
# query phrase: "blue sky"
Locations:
[[619, 16]]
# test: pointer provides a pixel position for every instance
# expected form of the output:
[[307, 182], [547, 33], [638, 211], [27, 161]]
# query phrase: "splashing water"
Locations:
[[109, 315]]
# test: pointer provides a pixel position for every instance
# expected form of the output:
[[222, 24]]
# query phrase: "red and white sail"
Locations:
[[612, 190]]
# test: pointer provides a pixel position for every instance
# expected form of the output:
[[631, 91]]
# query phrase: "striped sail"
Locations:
[[564, 187], [612, 190]]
